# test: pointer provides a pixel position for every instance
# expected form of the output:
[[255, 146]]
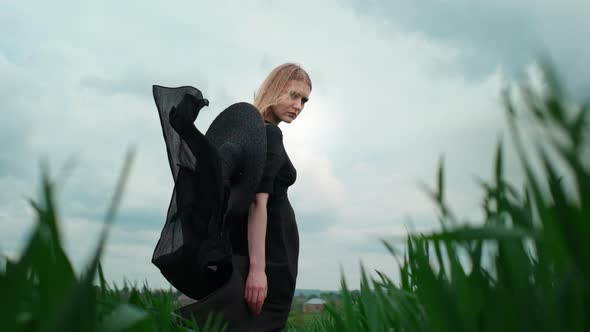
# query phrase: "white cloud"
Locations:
[[384, 108]]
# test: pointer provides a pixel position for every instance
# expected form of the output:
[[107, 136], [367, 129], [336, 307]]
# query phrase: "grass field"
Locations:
[[525, 267]]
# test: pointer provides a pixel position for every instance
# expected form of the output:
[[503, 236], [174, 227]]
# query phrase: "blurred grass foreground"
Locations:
[[526, 267]]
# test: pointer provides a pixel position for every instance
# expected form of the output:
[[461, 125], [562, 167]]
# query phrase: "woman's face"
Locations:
[[290, 103]]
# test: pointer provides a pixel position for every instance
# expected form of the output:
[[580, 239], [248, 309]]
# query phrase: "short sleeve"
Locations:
[[274, 158]]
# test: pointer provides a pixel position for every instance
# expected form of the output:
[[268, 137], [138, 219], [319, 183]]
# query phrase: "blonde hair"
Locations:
[[269, 92]]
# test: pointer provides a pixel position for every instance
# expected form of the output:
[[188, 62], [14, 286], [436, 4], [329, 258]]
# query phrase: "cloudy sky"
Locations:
[[397, 85]]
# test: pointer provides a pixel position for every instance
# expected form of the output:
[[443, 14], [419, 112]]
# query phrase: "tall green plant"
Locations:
[[526, 268], [39, 291]]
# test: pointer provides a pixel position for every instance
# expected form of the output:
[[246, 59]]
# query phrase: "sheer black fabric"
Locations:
[[215, 176]]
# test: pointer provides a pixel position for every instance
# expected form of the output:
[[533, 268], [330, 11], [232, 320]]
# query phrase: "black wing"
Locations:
[[215, 176]]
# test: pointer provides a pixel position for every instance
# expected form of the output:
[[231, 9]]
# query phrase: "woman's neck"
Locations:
[[273, 120]]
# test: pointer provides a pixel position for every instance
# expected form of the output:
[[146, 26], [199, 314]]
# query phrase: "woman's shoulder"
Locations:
[[272, 130]]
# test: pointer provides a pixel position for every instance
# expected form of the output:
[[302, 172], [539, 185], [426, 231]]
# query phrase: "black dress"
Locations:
[[281, 251], [282, 237]]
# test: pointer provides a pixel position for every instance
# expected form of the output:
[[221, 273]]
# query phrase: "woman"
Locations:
[[270, 238], [264, 237]]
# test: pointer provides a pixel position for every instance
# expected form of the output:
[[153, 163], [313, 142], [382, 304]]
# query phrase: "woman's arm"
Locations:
[[256, 284]]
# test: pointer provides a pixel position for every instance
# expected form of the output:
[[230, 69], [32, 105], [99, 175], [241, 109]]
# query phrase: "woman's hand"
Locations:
[[256, 288]]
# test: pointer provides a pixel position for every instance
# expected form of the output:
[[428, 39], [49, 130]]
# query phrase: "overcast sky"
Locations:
[[397, 85]]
